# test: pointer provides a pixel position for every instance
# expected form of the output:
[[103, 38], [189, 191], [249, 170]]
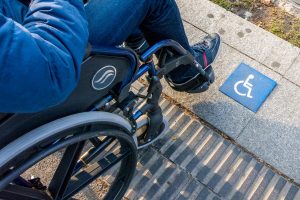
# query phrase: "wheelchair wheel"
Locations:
[[85, 150]]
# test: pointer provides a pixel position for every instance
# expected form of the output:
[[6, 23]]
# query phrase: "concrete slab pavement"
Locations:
[[216, 108], [293, 73], [242, 35], [273, 133]]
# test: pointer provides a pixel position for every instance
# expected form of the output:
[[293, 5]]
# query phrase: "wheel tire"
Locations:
[[104, 124]]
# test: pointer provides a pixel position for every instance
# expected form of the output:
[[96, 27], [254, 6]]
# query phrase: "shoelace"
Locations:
[[201, 47]]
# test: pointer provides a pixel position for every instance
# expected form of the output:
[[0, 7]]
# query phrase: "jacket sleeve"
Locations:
[[40, 59]]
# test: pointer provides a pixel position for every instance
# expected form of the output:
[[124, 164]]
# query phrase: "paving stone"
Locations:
[[228, 186], [282, 56], [293, 73], [292, 192], [258, 43], [214, 181], [160, 180], [278, 187], [248, 182], [214, 169], [193, 36], [203, 194], [263, 185], [204, 14], [274, 132], [175, 187], [204, 170], [176, 126], [188, 191], [241, 34], [213, 106], [179, 140], [190, 150], [197, 158]]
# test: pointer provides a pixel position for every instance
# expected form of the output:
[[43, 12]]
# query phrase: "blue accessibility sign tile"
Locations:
[[248, 87]]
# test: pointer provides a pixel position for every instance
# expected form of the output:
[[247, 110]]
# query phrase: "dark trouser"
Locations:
[[111, 22]]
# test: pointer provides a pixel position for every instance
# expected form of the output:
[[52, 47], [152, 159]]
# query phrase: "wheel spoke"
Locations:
[[22, 182], [92, 153], [95, 141], [65, 170], [16, 192], [115, 146], [91, 173]]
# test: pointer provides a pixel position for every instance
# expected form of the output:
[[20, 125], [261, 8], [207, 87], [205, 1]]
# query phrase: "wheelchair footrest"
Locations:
[[196, 85], [142, 143]]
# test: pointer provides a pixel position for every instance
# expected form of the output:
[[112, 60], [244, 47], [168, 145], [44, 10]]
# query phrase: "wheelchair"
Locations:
[[96, 132]]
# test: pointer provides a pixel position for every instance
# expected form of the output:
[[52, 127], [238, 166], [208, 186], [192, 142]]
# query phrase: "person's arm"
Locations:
[[40, 59]]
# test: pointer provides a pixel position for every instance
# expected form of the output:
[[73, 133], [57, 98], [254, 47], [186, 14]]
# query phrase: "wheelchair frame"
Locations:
[[127, 100], [183, 57]]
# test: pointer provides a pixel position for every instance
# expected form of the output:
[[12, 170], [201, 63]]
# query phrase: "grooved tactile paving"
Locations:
[[191, 161]]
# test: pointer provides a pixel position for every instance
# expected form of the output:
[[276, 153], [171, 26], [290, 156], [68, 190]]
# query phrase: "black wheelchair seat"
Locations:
[[105, 71], [3, 116]]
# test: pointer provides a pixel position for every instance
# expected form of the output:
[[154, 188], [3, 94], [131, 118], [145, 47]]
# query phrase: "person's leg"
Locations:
[[111, 22]]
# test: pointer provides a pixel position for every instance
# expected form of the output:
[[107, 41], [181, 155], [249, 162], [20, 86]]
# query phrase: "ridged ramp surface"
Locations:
[[191, 161]]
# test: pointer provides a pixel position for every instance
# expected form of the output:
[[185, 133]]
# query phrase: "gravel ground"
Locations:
[[45, 170]]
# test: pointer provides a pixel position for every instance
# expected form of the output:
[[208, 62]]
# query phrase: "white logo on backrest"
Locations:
[[104, 77]]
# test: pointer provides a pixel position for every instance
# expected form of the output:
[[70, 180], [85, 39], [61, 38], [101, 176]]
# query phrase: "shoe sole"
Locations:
[[204, 87]]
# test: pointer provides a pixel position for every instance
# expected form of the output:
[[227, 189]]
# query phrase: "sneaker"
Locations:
[[187, 78], [207, 51]]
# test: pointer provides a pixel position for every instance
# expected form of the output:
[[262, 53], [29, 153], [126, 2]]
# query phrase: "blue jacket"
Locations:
[[41, 49]]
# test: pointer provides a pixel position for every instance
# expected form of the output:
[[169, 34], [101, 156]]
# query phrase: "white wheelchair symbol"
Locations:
[[245, 84]]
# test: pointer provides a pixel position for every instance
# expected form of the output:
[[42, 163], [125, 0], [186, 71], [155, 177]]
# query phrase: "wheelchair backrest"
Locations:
[[105, 71]]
